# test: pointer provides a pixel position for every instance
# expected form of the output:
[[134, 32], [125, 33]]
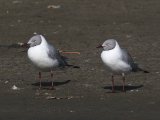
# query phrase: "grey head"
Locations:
[[109, 44], [34, 41]]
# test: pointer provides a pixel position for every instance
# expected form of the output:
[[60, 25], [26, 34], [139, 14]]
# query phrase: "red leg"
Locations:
[[113, 90], [52, 80], [123, 77], [40, 85]]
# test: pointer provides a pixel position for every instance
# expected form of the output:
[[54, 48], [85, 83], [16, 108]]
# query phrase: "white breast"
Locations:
[[113, 60], [39, 57]]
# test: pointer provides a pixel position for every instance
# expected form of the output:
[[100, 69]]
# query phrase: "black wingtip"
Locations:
[[73, 66], [146, 71], [76, 67]]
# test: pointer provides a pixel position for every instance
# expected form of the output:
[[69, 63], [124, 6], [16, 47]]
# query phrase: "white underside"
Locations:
[[38, 55], [113, 60]]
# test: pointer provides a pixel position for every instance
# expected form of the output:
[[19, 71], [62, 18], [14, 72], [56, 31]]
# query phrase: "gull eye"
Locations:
[[34, 40]]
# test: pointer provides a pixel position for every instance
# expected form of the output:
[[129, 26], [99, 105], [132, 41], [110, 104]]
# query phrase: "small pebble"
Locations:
[[35, 33], [50, 97], [137, 90], [19, 21], [14, 87], [53, 6], [70, 97], [20, 44], [129, 84], [71, 111], [128, 36], [46, 93], [6, 82], [131, 90]]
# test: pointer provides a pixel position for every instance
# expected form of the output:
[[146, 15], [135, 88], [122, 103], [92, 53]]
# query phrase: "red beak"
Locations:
[[100, 46], [25, 45]]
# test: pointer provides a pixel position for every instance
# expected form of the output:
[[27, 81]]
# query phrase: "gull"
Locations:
[[118, 60], [44, 56]]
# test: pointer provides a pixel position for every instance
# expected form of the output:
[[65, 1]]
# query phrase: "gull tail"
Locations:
[[65, 63], [145, 71], [136, 68], [73, 66]]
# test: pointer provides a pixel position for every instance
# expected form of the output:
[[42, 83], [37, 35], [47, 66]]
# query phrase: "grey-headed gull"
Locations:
[[44, 56], [118, 60]]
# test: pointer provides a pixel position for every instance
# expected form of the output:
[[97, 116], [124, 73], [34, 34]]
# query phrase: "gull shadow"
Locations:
[[49, 83], [127, 87]]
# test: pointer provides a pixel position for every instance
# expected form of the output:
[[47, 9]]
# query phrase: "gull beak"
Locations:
[[25, 45], [99, 46]]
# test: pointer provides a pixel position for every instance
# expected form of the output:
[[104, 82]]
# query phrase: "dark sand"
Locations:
[[80, 25]]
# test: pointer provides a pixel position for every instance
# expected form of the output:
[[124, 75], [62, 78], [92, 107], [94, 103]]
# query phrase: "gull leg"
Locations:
[[123, 77], [52, 81], [113, 90], [40, 83]]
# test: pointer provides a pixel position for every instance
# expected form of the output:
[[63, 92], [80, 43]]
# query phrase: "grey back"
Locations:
[[54, 54], [126, 57]]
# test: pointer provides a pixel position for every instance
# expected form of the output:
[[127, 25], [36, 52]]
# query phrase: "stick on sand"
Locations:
[[69, 52]]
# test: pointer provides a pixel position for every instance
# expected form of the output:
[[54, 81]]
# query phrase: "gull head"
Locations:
[[108, 44], [34, 41]]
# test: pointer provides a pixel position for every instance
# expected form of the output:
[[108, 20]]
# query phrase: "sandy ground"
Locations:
[[80, 25]]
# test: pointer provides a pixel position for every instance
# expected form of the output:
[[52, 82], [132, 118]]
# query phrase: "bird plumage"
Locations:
[[44, 56], [118, 60]]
